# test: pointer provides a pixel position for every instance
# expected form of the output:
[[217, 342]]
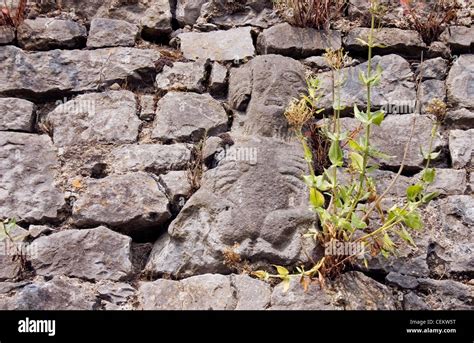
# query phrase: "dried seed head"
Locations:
[[437, 108], [336, 59], [298, 113]]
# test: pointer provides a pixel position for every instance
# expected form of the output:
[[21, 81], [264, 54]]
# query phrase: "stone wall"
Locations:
[[103, 109]]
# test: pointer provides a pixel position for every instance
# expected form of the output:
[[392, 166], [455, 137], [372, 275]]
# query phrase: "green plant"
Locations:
[[310, 13], [350, 212], [430, 19]]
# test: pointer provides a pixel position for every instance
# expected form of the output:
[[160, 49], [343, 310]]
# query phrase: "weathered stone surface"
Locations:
[[401, 281], [447, 294], [228, 14], [296, 298], [7, 287], [435, 68], [396, 88], [94, 254], [404, 42], [461, 147], [392, 136], [251, 294], [187, 117], [177, 185], [183, 76], [152, 158], [34, 74], [36, 231], [218, 79], [284, 39], [350, 291], [412, 302], [108, 117], [9, 248], [83, 8], [16, 114], [460, 82], [205, 292], [432, 89], [202, 292], [124, 33], [27, 177], [154, 16], [462, 119], [438, 49], [263, 89], [130, 202], [59, 293], [355, 291], [188, 11], [459, 38], [147, 107], [234, 44], [393, 14], [447, 181], [7, 34], [50, 33], [115, 295], [254, 198]]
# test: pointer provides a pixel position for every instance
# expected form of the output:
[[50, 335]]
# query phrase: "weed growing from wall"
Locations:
[[350, 213]]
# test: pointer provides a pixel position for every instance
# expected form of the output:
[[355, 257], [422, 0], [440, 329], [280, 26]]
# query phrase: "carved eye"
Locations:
[[291, 76]]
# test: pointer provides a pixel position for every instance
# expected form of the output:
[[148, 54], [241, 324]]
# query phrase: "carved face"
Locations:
[[267, 83]]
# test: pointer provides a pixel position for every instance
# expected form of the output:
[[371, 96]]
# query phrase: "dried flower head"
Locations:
[[336, 59], [437, 108], [298, 113]]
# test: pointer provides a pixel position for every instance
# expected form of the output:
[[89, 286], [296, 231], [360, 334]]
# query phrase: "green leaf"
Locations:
[[428, 175], [361, 41], [354, 145], [406, 236], [379, 154], [362, 77], [377, 117], [308, 155], [357, 160], [388, 244], [309, 180], [316, 198], [428, 197], [379, 70], [357, 222], [286, 284], [414, 191], [322, 184], [434, 155], [331, 136], [362, 117], [413, 221], [330, 174], [335, 153], [282, 271], [261, 274]]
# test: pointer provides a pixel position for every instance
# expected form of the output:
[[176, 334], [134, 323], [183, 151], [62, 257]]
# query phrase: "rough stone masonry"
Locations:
[[105, 107]]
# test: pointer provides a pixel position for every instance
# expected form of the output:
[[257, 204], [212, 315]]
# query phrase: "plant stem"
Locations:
[[434, 129], [368, 126], [394, 180]]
